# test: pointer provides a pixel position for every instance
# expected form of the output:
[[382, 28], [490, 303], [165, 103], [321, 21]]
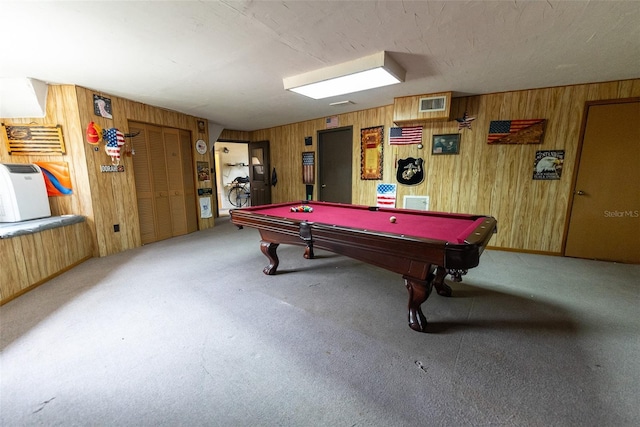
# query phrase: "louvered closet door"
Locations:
[[144, 185], [160, 183], [173, 159], [165, 182]]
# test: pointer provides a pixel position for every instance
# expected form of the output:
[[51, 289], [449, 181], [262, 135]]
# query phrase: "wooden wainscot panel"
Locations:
[[36, 258], [422, 108]]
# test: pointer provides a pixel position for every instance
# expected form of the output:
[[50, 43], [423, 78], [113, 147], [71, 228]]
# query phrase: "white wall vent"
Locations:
[[419, 203], [433, 103]]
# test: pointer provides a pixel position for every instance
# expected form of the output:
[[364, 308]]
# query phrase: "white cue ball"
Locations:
[[392, 219]]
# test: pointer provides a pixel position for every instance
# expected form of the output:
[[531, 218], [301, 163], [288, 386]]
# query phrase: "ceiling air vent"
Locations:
[[434, 103]]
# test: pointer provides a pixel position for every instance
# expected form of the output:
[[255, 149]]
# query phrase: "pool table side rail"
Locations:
[[407, 255]]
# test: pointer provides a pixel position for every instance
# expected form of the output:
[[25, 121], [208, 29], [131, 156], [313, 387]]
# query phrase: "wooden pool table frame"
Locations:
[[423, 263]]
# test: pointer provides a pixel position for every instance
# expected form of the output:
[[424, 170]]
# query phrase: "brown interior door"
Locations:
[[259, 173], [605, 214], [335, 148]]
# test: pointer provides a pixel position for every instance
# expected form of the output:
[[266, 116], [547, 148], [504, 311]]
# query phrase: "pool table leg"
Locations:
[[308, 251], [269, 250], [419, 291], [441, 287]]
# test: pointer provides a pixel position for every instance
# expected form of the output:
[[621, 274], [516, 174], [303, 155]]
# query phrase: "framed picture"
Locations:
[[446, 144], [102, 106], [203, 171], [371, 152]]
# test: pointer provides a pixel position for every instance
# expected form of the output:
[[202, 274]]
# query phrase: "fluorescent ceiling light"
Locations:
[[370, 72]]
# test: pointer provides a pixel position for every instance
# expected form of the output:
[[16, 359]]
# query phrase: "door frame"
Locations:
[[265, 146], [574, 179], [217, 166], [320, 172]]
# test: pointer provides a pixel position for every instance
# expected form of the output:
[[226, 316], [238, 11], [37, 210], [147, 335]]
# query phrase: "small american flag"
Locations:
[[386, 196], [498, 129], [407, 135], [331, 122], [308, 167]]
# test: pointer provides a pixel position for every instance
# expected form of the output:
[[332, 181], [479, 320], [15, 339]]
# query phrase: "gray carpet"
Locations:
[[189, 332]]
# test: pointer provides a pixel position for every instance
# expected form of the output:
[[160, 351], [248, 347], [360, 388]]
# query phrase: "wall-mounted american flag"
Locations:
[[331, 122], [406, 135], [528, 131], [386, 196]]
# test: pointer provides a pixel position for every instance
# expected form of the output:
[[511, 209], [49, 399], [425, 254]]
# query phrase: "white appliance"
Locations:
[[23, 193]]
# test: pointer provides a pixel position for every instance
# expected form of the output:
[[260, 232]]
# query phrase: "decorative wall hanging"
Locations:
[[516, 131], [201, 146], [548, 164], [308, 168], [201, 128], [331, 122], [56, 177], [410, 171], [102, 106], [386, 195], [465, 121], [114, 139], [94, 133], [446, 144], [111, 168], [26, 140], [405, 135], [205, 207], [371, 140], [204, 173]]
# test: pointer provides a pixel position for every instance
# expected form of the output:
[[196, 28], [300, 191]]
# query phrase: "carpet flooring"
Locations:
[[190, 332]]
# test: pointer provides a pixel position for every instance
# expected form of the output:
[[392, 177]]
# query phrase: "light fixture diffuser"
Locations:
[[369, 72]]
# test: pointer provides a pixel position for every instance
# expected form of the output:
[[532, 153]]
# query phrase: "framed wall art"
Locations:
[[446, 144], [371, 152]]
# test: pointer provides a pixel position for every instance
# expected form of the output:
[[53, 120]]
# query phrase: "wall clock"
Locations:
[[201, 146]]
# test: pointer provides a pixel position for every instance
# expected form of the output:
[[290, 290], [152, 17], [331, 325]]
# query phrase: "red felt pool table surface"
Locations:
[[453, 228]]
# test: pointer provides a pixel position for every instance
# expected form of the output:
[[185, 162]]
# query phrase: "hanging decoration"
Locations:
[[529, 131], [114, 139], [465, 121], [548, 164], [94, 133], [57, 178], [386, 195], [405, 135], [29, 140], [410, 171], [102, 106], [371, 140]]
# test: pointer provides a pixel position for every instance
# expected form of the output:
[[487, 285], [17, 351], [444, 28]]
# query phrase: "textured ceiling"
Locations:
[[225, 60]]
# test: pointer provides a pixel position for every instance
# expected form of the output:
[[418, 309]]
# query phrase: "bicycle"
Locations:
[[240, 192]]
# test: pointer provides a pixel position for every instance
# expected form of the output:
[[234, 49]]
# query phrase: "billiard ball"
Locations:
[[392, 219]]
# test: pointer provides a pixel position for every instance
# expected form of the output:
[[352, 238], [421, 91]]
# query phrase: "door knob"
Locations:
[[580, 193], [324, 185]]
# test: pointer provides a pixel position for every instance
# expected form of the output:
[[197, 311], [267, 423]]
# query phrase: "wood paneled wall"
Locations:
[[104, 198], [62, 109], [494, 180], [482, 179]]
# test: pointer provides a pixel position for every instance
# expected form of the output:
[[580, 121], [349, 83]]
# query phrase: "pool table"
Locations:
[[423, 246]]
